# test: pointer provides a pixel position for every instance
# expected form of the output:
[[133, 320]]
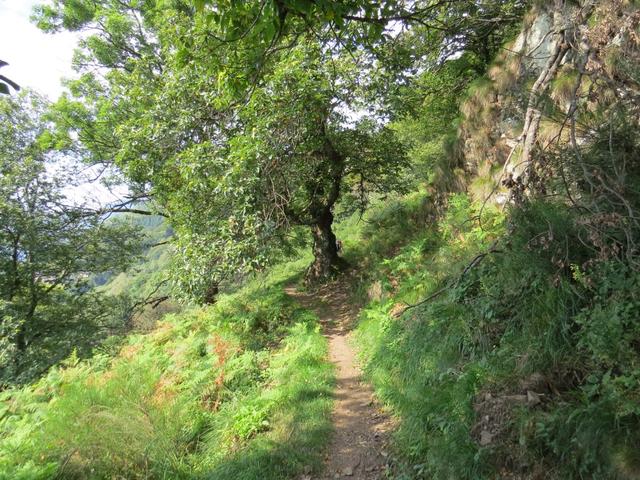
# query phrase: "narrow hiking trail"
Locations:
[[358, 449]]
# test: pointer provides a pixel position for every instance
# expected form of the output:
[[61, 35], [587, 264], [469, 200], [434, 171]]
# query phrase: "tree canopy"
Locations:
[[236, 170], [242, 121]]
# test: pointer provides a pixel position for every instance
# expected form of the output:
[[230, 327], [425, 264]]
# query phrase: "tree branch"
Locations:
[[474, 263]]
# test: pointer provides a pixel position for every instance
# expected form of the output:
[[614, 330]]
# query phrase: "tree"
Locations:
[[48, 246], [229, 113], [304, 154], [261, 29], [281, 161], [236, 174]]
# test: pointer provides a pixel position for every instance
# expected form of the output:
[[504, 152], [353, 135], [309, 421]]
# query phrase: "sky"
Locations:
[[39, 61], [36, 59]]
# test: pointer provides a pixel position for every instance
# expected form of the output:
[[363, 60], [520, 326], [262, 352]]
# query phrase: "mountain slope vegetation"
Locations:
[[467, 170], [236, 390]]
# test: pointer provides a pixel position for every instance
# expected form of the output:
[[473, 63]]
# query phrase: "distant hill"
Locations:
[[146, 280]]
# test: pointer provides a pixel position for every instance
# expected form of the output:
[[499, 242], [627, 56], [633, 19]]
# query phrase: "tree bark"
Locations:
[[21, 334], [326, 261], [14, 283], [21, 339]]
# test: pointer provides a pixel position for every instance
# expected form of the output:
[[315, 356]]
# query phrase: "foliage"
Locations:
[[517, 358], [505, 340], [529, 312], [258, 29], [48, 249], [145, 285], [221, 165], [427, 117], [252, 137]]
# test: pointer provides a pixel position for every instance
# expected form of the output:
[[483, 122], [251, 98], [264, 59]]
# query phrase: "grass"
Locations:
[[517, 322], [241, 389], [416, 364]]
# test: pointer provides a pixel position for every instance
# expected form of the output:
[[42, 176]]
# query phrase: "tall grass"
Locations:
[[527, 318]]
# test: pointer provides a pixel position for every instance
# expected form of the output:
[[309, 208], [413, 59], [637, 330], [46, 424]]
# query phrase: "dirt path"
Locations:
[[358, 447]]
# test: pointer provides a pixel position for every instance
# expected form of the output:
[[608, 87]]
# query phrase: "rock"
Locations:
[[348, 472], [533, 398], [485, 438], [375, 291], [535, 382], [397, 310], [516, 398], [536, 42]]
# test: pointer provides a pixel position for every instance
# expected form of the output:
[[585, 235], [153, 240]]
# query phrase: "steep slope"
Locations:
[[571, 69], [502, 328], [237, 390], [501, 310]]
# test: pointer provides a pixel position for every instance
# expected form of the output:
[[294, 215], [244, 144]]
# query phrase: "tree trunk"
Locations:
[[211, 295], [21, 339], [14, 283], [522, 169], [21, 334], [326, 261]]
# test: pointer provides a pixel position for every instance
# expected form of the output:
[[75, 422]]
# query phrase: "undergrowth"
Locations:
[[524, 361], [241, 389]]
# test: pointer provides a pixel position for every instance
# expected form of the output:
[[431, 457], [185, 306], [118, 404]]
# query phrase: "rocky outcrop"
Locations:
[[524, 106]]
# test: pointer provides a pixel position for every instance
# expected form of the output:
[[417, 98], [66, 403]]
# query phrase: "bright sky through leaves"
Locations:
[[36, 59], [40, 61]]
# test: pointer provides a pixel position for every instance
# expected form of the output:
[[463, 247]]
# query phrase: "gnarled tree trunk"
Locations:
[[211, 294], [326, 261]]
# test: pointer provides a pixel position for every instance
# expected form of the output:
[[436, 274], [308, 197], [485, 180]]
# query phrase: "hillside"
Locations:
[[399, 240], [146, 283]]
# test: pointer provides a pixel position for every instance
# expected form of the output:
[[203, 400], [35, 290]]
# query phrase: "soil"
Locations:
[[358, 449]]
